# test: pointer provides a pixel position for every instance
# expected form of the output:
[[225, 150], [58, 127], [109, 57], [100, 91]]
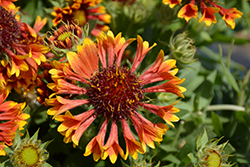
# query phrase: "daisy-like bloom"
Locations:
[[115, 92], [208, 9], [188, 11], [82, 11], [11, 119], [171, 3], [22, 51]]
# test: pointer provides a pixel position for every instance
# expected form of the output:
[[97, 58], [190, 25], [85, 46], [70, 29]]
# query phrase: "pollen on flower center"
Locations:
[[115, 92], [9, 29]]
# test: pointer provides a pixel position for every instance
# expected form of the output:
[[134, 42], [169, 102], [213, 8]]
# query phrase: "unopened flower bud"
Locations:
[[182, 48], [66, 38], [209, 153], [28, 152]]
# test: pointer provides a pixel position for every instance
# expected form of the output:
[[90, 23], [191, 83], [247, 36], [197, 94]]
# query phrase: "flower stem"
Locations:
[[244, 85], [178, 133], [225, 107]]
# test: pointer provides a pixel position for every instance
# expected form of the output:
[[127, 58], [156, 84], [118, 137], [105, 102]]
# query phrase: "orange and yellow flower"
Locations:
[[188, 11], [171, 3], [208, 14], [8, 4], [229, 15], [191, 10], [22, 51], [115, 92], [11, 119], [82, 11]]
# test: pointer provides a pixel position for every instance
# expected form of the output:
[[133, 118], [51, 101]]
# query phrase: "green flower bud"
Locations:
[[27, 152], [209, 153], [182, 48]]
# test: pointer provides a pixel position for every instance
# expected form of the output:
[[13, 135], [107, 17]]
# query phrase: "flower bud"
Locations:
[[209, 154], [182, 48], [28, 151], [66, 38]]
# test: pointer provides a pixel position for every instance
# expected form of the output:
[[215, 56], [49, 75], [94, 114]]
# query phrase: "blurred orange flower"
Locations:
[[80, 12]]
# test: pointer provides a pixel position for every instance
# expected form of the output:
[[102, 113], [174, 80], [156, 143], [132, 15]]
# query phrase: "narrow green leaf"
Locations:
[[205, 92], [172, 158], [45, 145], [6, 164], [231, 80], [8, 150], [192, 157], [218, 127], [204, 138], [35, 136], [17, 139]]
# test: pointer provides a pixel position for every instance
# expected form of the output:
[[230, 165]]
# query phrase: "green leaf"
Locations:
[[5, 164], [230, 78], [45, 145], [158, 164], [35, 136], [218, 127], [171, 158], [202, 140], [205, 92], [17, 139], [8, 150], [192, 157], [243, 117]]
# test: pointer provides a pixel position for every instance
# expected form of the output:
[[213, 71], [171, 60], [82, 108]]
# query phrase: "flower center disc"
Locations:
[[9, 29], [115, 92], [30, 156]]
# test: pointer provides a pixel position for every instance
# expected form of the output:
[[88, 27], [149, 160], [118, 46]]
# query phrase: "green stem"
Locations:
[[184, 27], [229, 53], [178, 133], [244, 84], [225, 107]]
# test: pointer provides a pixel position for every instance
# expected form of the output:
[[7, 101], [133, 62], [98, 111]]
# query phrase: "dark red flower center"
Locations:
[[115, 92], [9, 29]]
